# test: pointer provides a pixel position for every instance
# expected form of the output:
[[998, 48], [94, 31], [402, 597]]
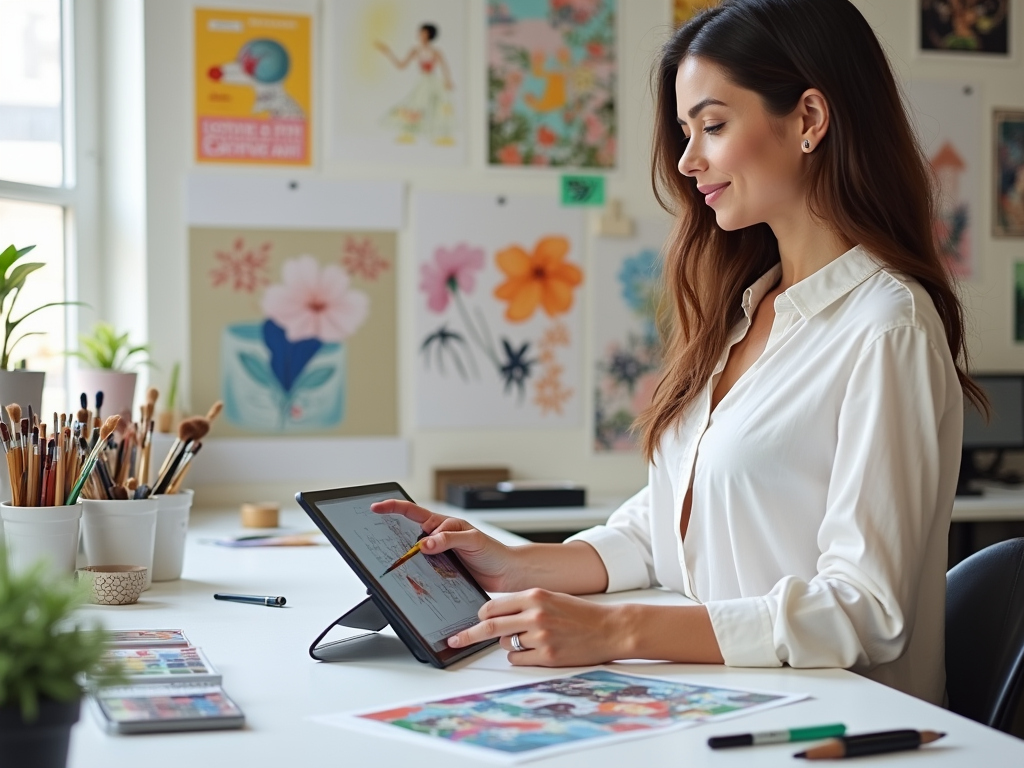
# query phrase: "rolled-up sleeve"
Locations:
[[883, 492], [624, 544]]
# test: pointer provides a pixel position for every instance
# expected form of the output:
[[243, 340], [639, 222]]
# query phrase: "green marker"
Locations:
[[778, 737]]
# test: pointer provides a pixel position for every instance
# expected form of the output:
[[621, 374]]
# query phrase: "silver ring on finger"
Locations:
[[516, 645]]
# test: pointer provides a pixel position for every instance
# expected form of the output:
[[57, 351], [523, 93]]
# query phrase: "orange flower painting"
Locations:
[[539, 279]]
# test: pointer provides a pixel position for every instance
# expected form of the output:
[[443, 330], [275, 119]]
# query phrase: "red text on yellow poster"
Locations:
[[252, 87]]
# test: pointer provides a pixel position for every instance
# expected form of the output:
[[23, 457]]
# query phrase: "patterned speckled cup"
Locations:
[[115, 584]]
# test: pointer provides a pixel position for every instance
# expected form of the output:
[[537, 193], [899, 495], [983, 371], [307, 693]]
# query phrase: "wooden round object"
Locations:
[[263, 514]]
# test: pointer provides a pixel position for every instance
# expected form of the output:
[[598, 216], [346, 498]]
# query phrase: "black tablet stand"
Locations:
[[366, 615]]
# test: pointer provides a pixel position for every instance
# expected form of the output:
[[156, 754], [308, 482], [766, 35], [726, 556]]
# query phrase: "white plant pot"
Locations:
[[118, 391], [24, 388], [171, 527], [42, 533], [120, 532]]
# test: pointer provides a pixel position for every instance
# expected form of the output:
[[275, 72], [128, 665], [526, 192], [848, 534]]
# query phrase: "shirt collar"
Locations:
[[815, 292]]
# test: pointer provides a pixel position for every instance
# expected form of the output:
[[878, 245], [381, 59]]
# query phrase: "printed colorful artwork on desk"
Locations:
[[498, 313], [535, 720], [400, 81], [295, 330], [965, 26], [551, 83], [947, 117], [147, 665], [253, 102], [1009, 173], [626, 344]]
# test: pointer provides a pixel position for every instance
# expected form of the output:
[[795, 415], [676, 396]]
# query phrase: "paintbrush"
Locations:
[[189, 431], [105, 431], [99, 405], [179, 478]]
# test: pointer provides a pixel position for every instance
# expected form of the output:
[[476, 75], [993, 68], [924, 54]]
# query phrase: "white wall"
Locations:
[[533, 454]]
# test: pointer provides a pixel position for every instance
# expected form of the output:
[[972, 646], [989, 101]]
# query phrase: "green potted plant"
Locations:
[[43, 654], [16, 384], [108, 359]]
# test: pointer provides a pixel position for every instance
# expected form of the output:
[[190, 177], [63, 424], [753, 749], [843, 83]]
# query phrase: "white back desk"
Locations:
[[262, 655], [997, 504]]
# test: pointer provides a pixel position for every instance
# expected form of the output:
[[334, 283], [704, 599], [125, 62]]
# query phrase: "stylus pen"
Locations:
[[413, 550], [809, 733], [273, 602]]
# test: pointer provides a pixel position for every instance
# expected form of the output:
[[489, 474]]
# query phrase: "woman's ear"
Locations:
[[812, 111]]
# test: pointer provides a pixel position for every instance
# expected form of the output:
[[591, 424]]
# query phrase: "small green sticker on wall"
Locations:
[[583, 190]]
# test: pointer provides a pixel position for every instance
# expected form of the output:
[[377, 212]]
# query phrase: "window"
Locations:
[[38, 196]]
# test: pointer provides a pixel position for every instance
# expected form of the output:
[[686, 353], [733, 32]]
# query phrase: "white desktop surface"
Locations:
[[262, 654], [996, 504]]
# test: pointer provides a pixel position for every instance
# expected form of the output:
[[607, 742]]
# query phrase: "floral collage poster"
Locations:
[[400, 81], [626, 348], [498, 312], [551, 83], [295, 330], [947, 116]]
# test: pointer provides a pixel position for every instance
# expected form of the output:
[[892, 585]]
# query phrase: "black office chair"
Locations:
[[985, 635]]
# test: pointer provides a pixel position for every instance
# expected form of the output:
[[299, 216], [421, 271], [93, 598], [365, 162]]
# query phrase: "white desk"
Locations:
[[262, 654], [998, 504]]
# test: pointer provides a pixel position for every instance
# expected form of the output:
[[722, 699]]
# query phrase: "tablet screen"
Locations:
[[432, 593]]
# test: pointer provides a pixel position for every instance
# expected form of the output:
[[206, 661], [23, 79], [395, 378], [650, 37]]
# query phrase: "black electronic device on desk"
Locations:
[[517, 494], [426, 599], [1003, 431]]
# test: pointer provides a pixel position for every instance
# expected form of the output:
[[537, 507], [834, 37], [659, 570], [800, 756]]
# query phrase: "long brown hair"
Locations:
[[868, 179]]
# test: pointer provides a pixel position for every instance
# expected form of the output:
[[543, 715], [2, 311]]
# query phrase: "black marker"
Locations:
[[273, 602]]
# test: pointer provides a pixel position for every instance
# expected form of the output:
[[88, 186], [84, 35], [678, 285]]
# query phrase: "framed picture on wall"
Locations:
[[1008, 213], [965, 26]]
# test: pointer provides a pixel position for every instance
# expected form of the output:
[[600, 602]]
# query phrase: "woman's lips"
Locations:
[[712, 192]]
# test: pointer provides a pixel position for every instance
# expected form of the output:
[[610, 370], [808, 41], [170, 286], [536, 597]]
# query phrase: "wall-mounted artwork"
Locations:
[[398, 81], [1018, 301], [684, 10], [1009, 173], [253, 102], [965, 26], [498, 312], [294, 330], [626, 277], [551, 83], [947, 117]]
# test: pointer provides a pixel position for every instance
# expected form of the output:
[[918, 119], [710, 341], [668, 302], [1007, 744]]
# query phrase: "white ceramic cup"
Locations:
[[120, 532], [42, 533], [171, 527]]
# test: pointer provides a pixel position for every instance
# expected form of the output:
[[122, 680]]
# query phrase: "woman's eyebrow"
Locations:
[[696, 108]]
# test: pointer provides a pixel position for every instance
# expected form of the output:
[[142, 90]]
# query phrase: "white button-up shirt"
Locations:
[[823, 484]]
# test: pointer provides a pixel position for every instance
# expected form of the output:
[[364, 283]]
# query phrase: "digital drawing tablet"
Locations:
[[428, 598]]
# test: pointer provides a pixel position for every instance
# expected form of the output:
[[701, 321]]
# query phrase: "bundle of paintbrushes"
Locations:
[[123, 465], [51, 471]]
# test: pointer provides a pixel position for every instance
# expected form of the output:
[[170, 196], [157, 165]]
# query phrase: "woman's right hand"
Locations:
[[492, 563]]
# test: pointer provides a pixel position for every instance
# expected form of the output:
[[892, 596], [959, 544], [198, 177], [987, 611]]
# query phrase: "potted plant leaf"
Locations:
[[109, 358], [43, 653], [16, 384]]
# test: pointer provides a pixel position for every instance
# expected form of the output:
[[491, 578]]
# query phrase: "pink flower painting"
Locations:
[[315, 303], [453, 269]]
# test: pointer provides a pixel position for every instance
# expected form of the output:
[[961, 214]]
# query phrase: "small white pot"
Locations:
[[118, 390], [42, 533], [171, 527], [120, 532]]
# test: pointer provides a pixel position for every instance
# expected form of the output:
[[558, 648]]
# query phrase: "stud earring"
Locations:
[[807, 145]]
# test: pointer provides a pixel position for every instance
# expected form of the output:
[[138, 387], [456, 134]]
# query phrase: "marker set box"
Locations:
[[167, 685]]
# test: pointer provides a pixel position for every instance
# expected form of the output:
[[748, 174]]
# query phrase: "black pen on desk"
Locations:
[[870, 744], [273, 602]]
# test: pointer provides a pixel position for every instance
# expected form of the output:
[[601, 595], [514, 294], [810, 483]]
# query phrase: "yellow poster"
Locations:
[[252, 81]]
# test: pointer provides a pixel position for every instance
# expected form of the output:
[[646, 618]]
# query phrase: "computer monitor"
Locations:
[[1004, 429]]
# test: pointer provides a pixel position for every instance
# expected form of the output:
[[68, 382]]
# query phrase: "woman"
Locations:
[[427, 110], [805, 440]]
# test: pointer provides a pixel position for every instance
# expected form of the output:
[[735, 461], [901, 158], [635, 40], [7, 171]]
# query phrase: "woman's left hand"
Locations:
[[556, 630]]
